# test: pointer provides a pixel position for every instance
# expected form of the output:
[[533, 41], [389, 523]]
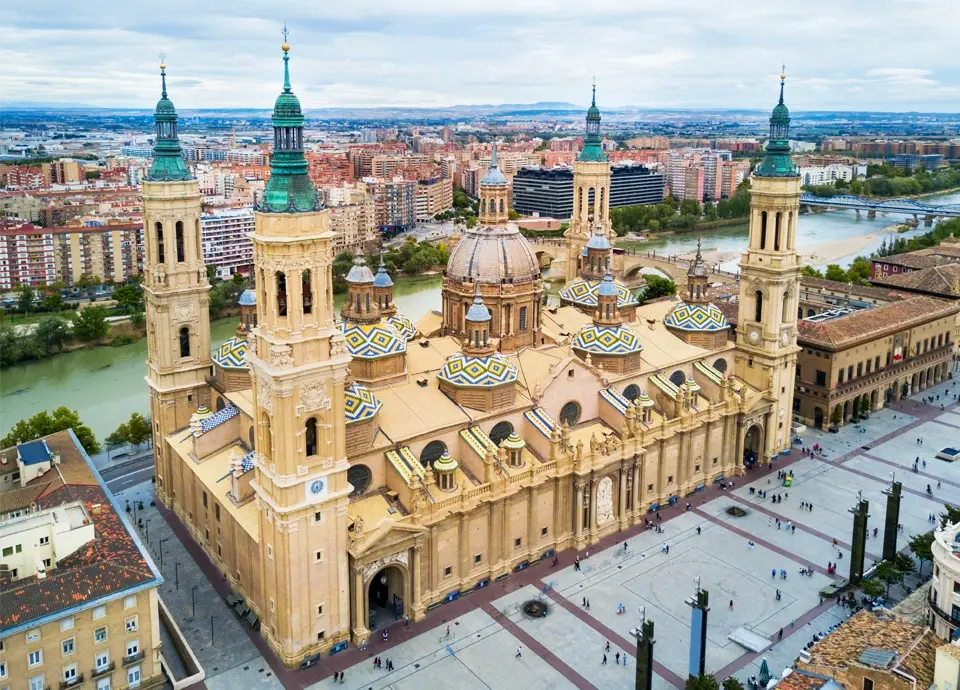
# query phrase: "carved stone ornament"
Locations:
[[265, 393], [313, 396], [370, 569], [280, 356], [604, 501], [184, 311], [338, 345]]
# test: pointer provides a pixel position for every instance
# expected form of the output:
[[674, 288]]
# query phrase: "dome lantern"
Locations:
[[168, 164], [776, 159]]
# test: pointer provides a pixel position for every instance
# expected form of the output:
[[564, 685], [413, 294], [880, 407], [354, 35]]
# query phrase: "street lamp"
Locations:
[[146, 529], [176, 573], [193, 601], [161, 551], [212, 641]]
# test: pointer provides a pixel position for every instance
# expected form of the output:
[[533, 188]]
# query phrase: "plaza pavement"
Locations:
[[564, 649]]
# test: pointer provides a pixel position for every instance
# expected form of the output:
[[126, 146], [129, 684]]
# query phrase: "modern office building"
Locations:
[[549, 192]]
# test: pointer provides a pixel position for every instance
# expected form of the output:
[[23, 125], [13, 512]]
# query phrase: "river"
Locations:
[[106, 384]]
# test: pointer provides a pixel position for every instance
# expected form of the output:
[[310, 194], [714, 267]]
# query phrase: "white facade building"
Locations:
[[226, 240], [944, 601]]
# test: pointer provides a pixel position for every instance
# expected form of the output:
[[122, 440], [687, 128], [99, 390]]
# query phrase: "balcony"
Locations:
[[133, 658], [952, 620], [72, 683], [102, 670]]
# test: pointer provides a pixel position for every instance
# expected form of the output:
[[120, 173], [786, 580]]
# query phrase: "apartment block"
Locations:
[[394, 203], [79, 605], [354, 226], [27, 255], [106, 252], [433, 197], [62, 172], [225, 236]]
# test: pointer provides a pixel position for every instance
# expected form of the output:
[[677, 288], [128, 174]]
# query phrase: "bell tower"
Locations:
[[298, 363], [769, 283], [591, 192], [175, 291]]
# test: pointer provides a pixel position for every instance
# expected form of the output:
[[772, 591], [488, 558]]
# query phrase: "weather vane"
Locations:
[[162, 56], [285, 32]]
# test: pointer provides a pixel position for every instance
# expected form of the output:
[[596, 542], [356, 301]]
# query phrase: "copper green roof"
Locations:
[[592, 150], [168, 164], [289, 189], [776, 159]]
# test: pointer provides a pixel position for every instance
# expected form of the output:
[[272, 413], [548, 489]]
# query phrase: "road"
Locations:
[[128, 474]]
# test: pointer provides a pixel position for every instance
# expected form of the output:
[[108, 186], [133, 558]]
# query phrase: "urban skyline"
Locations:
[[384, 54]]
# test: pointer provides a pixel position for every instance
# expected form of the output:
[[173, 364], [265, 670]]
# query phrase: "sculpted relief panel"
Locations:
[[604, 501]]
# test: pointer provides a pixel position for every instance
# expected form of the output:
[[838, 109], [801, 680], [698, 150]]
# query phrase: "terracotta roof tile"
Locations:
[[916, 260], [873, 292], [942, 280], [112, 562]]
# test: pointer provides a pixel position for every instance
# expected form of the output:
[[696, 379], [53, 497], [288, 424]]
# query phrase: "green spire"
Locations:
[[289, 189], [168, 165], [592, 150], [776, 161]]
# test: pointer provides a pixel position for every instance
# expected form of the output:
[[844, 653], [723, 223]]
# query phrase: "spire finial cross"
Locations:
[[162, 56], [285, 32]]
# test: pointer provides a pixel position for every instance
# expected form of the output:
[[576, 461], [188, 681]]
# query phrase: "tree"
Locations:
[[834, 272], [810, 272], [702, 682], [513, 215], [128, 297], [837, 415], [138, 429], [137, 319], [25, 302], [921, 546], [91, 323], [239, 279], [949, 516], [118, 437], [865, 406], [889, 574], [860, 271], [46, 423], [53, 302], [904, 563], [211, 273], [51, 332], [872, 588], [658, 287], [732, 683]]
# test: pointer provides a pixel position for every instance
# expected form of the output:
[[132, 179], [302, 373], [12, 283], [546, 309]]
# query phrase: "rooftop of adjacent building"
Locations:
[[110, 564], [882, 642]]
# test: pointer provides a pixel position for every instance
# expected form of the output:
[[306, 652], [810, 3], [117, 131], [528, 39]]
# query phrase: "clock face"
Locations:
[[754, 336], [316, 487], [785, 338]]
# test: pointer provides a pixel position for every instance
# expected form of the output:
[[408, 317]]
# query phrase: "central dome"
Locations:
[[493, 255]]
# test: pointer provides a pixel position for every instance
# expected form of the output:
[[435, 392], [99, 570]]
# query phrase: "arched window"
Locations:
[[758, 310], [252, 435], [358, 302], [184, 342], [307, 291], [811, 312], [570, 413], [493, 205], [786, 307], [220, 403], [311, 436], [161, 254], [431, 452], [776, 232], [720, 365], [631, 392], [500, 432], [677, 378], [265, 426], [763, 230], [608, 309], [180, 250], [501, 205], [368, 301], [281, 293], [359, 477]]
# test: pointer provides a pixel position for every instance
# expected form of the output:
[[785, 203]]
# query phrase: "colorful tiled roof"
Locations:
[[246, 462], [359, 404], [403, 326], [372, 340], [218, 418], [664, 384], [696, 317], [479, 372], [607, 340], [110, 564], [540, 420], [583, 293], [445, 463], [232, 354], [616, 399], [405, 463], [709, 372], [478, 441], [514, 442]]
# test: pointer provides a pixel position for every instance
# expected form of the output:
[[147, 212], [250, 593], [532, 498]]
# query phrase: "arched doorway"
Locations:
[[385, 597], [846, 412], [751, 445], [818, 417], [874, 395]]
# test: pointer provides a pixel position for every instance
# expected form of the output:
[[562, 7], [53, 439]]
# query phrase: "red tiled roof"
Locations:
[[111, 563], [942, 280]]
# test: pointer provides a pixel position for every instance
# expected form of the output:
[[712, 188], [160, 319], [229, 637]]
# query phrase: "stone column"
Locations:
[[416, 576], [361, 618], [593, 507], [578, 488], [622, 498]]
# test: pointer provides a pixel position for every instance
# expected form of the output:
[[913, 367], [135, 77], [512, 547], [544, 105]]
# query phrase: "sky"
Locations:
[[890, 55]]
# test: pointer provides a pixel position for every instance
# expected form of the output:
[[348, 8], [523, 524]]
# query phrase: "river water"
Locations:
[[106, 384]]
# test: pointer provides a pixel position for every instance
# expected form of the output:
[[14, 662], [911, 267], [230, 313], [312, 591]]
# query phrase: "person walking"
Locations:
[[698, 530], [607, 647], [341, 677], [780, 635], [731, 605], [518, 653], [604, 662], [618, 658]]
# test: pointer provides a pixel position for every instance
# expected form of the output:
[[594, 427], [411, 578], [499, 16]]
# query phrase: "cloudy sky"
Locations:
[[840, 54]]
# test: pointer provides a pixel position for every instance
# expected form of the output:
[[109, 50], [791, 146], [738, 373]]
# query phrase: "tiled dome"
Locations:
[[607, 340], [372, 340], [480, 372], [232, 354], [359, 404], [493, 255], [583, 293], [696, 317]]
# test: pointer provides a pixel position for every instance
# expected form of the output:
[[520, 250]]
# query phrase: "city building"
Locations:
[[830, 173], [28, 255], [354, 226], [944, 599], [874, 650], [225, 240], [434, 196], [394, 203], [499, 453], [78, 589], [886, 267], [62, 172], [912, 161]]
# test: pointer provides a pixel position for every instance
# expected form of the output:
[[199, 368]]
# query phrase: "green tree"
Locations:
[[513, 215], [921, 546], [25, 301], [658, 287], [810, 272], [731, 683], [889, 574], [128, 297], [834, 272], [872, 588], [211, 274], [837, 415], [949, 516], [904, 563], [138, 429], [118, 437], [137, 319], [51, 332], [702, 682], [239, 279], [46, 423], [53, 302], [91, 323], [860, 271]]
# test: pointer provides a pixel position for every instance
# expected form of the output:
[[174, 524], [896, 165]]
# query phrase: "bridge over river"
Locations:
[[872, 206]]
